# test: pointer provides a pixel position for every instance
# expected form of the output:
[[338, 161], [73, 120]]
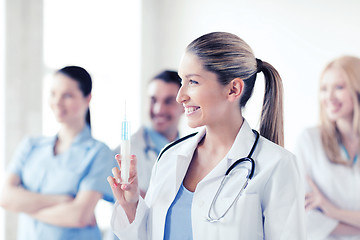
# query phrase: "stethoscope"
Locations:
[[228, 175]]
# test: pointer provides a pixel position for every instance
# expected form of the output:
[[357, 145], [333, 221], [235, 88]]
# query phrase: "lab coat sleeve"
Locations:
[[121, 226], [318, 225], [283, 202]]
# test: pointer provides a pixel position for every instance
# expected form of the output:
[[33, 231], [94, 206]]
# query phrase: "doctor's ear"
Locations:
[[236, 87], [88, 98]]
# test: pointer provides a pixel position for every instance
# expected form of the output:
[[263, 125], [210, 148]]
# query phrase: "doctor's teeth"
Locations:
[[191, 109]]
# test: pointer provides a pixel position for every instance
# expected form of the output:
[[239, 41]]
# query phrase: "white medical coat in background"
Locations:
[[340, 184], [271, 207]]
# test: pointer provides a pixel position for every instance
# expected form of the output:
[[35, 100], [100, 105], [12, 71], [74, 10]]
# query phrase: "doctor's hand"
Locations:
[[127, 195], [315, 199]]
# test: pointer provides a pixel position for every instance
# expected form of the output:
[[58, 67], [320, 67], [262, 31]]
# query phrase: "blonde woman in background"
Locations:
[[329, 154]]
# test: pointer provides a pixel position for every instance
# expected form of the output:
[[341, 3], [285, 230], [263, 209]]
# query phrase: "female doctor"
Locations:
[[187, 198], [329, 154]]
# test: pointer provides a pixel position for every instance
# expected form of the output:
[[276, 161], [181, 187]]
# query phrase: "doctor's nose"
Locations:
[[330, 95], [158, 107], [182, 96], [55, 101]]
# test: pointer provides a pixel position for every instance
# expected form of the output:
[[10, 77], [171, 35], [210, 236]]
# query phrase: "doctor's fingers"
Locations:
[[309, 201], [131, 190], [133, 166], [116, 173], [115, 188], [312, 201], [133, 159], [118, 160], [309, 205], [133, 177]]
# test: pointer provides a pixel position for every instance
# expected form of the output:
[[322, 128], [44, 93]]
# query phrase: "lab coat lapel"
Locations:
[[184, 157], [243, 143], [175, 173], [240, 148]]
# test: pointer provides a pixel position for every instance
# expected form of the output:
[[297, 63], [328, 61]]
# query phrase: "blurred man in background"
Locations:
[[165, 115]]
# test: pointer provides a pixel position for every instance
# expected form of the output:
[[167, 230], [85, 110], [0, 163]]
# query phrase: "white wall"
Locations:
[[2, 109], [297, 37], [104, 38], [23, 71]]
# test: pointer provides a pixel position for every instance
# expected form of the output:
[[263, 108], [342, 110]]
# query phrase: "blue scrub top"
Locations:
[[178, 218], [83, 167]]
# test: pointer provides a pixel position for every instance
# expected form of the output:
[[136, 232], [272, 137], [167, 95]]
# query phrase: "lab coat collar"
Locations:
[[183, 158], [243, 143], [187, 150], [241, 147]]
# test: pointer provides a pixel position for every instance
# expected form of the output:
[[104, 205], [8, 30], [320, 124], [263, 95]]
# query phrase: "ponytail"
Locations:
[[272, 123], [87, 118], [230, 57]]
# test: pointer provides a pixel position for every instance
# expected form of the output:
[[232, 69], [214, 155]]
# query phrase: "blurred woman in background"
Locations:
[[56, 182], [329, 154]]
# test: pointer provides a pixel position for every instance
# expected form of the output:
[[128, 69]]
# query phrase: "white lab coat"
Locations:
[[271, 207], [340, 184]]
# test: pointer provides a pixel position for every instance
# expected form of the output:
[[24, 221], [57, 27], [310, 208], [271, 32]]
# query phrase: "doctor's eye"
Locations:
[[193, 82], [170, 100], [67, 95], [153, 100], [339, 87]]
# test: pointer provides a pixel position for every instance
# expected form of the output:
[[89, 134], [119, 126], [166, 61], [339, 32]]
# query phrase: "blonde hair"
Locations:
[[330, 136], [230, 57]]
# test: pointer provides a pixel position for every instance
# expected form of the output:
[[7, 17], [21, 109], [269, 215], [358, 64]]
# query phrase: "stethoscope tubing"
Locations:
[[228, 175]]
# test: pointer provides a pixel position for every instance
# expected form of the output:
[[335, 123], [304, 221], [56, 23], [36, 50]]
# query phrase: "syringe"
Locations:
[[125, 149]]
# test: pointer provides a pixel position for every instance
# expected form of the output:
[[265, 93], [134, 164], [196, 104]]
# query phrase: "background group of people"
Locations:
[[56, 182]]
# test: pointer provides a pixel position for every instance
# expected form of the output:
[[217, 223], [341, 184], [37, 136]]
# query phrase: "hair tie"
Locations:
[[259, 65]]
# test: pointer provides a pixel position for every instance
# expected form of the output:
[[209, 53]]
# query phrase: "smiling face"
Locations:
[[67, 101], [335, 96], [165, 112], [203, 97]]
